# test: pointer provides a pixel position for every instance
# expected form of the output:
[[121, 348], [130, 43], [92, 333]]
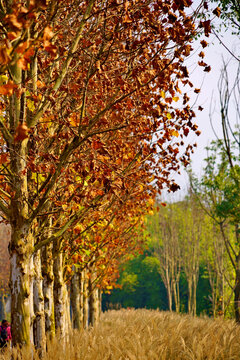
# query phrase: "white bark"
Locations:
[[85, 299], [59, 295], [39, 318], [47, 272]]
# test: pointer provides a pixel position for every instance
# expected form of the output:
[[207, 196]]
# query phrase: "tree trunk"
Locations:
[[59, 292], [68, 326], [85, 299], [237, 296], [93, 299], [21, 244], [75, 296], [176, 296], [194, 295], [99, 302], [189, 296], [39, 319], [3, 307], [47, 272], [20, 287]]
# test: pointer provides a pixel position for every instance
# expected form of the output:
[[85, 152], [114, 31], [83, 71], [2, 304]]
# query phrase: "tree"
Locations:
[[86, 104], [167, 251], [219, 187]]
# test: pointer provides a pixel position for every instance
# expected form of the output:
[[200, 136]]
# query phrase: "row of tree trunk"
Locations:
[[57, 306]]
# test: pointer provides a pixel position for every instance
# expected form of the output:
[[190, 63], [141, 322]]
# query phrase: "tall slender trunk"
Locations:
[[39, 318], [20, 288], [75, 296], [59, 291], [21, 244], [68, 326], [47, 272], [93, 299], [99, 302], [176, 296], [169, 291], [194, 295], [237, 296], [189, 295], [85, 299]]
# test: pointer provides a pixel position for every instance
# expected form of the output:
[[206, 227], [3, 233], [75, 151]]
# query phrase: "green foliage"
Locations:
[[141, 286], [230, 13]]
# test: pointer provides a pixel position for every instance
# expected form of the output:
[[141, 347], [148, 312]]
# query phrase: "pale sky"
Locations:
[[208, 82]]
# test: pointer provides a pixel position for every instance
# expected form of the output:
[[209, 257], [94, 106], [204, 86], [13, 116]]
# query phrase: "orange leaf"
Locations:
[[217, 11], [22, 63], [21, 132], [48, 33], [8, 88], [4, 57]]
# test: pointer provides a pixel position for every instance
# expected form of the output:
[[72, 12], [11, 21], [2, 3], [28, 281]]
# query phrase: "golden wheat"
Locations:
[[146, 335]]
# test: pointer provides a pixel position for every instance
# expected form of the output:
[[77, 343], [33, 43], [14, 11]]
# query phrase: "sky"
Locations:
[[208, 97]]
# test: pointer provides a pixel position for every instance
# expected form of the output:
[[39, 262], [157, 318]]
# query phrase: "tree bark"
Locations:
[[39, 318], [48, 281], [59, 292], [85, 299], [93, 299], [20, 289], [75, 297], [237, 296]]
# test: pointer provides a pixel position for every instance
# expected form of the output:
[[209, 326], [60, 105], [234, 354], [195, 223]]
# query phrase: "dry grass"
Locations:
[[149, 335]]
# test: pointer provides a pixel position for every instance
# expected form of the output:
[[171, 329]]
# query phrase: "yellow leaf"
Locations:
[[162, 93], [175, 98], [3, 79], [169, 116], [30, 105], [175, 133]]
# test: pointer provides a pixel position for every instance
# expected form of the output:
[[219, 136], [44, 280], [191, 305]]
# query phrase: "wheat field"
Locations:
[[146, 335]]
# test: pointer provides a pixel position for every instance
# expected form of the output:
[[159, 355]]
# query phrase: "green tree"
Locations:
[[218, 189]]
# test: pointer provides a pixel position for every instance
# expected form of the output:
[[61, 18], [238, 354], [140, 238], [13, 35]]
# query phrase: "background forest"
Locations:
[[183, 268]]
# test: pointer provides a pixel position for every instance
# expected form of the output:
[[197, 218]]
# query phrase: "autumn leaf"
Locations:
[[21, 132], [3, 158], [12, 35], [22, 63], [174, 187], [217, 11], [203, 43], [207, 27], [13, 21], [8, 88], [175, 98], [47, 33], [4, 56], [207, 68]]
